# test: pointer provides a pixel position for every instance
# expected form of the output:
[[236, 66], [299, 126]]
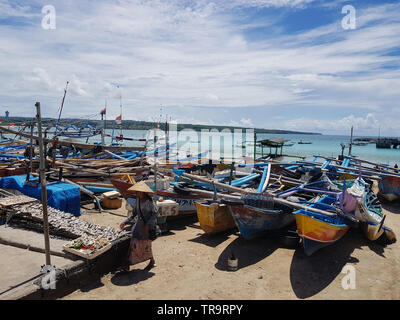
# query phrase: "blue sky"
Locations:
[[279, 64]]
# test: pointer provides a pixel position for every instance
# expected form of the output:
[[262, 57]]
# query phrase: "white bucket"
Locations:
[[232, 264]]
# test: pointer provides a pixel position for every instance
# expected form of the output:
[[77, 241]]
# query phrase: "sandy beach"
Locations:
[[191, 265]]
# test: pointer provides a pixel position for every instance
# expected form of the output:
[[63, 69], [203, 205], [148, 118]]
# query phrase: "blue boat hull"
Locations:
[[254, 222]]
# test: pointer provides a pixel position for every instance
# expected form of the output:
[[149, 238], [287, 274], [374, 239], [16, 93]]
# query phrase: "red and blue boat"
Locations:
[[389, 188], [318, 230]]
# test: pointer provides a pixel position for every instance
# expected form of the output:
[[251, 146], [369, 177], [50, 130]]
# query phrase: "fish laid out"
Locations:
[[67, 222]]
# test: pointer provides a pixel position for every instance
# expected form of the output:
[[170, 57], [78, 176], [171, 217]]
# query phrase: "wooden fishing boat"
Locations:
[[186, 201], [83, 146], [257, 214], [214, 217], [317, 230], [371, 216], [389, 188]]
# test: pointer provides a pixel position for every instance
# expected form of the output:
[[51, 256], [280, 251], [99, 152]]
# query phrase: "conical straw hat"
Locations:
[[141, 187]]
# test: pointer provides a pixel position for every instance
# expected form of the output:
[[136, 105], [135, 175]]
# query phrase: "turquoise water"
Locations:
[[226, 145]]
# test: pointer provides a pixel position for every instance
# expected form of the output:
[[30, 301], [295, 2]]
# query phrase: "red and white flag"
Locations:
[[119, 119], [103, 111]]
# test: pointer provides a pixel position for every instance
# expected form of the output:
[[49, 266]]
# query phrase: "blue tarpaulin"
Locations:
[[61, 196]]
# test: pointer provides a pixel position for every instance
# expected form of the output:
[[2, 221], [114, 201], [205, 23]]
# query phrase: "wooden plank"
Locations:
[[16, 200]]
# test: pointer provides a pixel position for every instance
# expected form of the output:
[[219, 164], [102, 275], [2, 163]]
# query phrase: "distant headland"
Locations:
[[143, 125]]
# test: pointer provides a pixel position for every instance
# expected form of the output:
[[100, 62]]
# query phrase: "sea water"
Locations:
[[229, 147]]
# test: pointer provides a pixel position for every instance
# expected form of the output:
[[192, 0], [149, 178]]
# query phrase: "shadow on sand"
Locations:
[[181, 223], [392, 207], [135, 276], [310, 275], [213, 240], [248, 252], [92, 286]]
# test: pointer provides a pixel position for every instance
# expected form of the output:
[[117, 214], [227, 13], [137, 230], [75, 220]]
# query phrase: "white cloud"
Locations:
[[369, 123], [246, 122], [192, 54], [13, 9]]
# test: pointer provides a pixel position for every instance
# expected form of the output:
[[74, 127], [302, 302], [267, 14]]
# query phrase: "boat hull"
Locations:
[[254, 222], [317, 234], [186, 202], [389, 188], [214, 218]]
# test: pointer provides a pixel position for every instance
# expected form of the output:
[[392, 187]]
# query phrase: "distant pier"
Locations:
[[382, 143], [387, 143]]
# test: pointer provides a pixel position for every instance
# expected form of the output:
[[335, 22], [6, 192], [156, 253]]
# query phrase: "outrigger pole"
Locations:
[[62, 103], [120, 104]]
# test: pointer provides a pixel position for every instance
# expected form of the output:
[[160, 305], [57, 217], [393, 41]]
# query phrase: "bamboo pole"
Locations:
[[217, 184], [278, 200], [42, 171], [351, 141], [76, 144], [370, 162], [363, 171]]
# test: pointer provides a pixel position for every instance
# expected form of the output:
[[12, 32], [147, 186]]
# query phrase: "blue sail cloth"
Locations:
[[61, 196]]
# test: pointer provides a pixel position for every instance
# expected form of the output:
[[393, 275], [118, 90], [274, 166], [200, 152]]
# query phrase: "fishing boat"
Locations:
[[186, 200], [71, 131], [389, 188], [214, 217], [77, 145], [369, 212], [317, 230], [304, 142], [289, 144], [255, 215]]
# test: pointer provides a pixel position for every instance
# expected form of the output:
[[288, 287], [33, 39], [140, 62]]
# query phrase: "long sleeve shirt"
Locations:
[[146, 213]]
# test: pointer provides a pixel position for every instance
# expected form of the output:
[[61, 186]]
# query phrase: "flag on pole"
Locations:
[[103, 111], [118, 119]]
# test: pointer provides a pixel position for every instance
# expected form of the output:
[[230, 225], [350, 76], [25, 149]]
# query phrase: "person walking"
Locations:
[[145, 213]]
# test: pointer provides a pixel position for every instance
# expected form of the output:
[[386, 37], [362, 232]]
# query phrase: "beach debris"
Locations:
[[232, 262]]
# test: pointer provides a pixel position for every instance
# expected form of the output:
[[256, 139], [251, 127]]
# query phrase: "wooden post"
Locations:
[[351, 141], [42, 172], [30, 153], [231, 173], [166, 139], [255, 144], [155, 165]]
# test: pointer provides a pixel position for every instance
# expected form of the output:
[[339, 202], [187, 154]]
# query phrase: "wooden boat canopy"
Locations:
[[275, 142]]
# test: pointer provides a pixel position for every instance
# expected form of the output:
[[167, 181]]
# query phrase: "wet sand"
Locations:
[[191, 265]]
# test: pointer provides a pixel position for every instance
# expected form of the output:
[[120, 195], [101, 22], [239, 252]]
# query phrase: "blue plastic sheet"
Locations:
[[61, 196]]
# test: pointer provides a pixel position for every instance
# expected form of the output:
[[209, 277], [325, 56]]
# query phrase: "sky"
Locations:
[[274, 64]]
